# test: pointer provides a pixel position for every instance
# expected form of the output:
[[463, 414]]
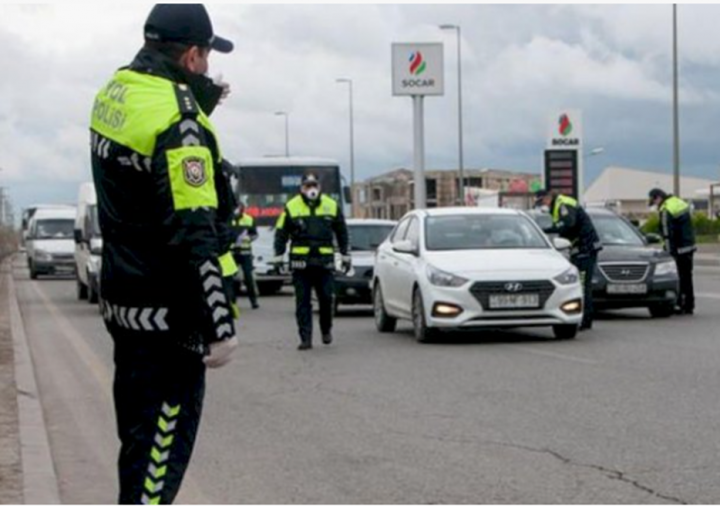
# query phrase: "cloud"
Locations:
[[520, 64]]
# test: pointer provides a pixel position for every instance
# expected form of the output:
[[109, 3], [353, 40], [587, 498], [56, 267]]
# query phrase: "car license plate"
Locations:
[[627, 289], [526, 300]]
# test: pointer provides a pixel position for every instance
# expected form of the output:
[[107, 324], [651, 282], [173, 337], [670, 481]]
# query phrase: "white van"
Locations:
[[88, 244], [49, 241]]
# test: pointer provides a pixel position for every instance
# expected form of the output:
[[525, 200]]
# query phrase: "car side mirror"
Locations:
[[561, 244], [653, 239], [347, 195], [77, 233], [405, 247]]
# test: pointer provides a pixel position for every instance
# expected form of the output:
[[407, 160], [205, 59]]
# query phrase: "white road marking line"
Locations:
[[708, 295], [552, 354]]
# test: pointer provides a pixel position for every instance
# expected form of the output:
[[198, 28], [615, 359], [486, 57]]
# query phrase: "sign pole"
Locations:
[[419, 151]]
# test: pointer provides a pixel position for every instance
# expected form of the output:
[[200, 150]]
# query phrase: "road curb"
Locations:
[[40, 483]]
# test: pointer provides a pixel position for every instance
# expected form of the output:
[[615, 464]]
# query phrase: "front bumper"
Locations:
[[474, 315], [355, 289], [659, 291], [55, 266]]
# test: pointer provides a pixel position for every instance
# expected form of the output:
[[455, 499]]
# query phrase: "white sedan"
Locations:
[[464, 268]]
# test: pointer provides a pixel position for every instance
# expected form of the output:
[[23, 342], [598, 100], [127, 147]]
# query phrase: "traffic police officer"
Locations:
[[677, 230], [310, 221], [155, 162], [245, 232], [571, 222]]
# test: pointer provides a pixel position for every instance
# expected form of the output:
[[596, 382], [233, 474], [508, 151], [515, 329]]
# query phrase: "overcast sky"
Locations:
[[520, 65]]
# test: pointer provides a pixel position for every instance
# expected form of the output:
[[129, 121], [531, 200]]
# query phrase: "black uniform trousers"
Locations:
[[158, 389], [245, 262], [686, 299], [322, 280], [586, 263]]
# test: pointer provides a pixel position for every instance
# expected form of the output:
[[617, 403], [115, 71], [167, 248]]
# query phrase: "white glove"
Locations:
[[221, 352], [346, 263]]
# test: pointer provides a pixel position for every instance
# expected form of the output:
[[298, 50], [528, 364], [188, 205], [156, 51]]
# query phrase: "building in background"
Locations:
[[626, 190], [390, 195]]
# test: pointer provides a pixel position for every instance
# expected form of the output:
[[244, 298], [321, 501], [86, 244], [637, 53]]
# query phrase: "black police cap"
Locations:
[[655, 193], [184, 23], [310, 179]]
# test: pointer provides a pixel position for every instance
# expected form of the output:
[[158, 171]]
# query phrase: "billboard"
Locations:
[[417, 69], [562, 171], [565, 130]]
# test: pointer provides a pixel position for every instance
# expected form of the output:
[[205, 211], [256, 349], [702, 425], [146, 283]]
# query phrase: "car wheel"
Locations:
[[423, 333], [81, 289], [383, 321], [662, 310], [335, 306], [33, 272], [92, 293], [565, 331]]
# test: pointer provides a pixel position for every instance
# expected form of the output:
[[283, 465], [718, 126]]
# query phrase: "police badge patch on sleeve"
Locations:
[[194, 171], [564, 211]]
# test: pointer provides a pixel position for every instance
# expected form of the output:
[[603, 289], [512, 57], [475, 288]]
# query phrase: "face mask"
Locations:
[[311, 193]]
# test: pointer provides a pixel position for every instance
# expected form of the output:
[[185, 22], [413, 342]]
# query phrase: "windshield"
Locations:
[[54, 229], [482, 231], [368, 237], [614, 231], [266, 190]]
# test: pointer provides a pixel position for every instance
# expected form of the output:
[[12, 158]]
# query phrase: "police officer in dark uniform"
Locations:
[[571, 222], [155, 162], [310, 222], [677, 230], [245, 233]]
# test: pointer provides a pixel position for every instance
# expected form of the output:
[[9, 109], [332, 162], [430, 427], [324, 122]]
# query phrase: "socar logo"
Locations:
[[565, 125], [417, 63]]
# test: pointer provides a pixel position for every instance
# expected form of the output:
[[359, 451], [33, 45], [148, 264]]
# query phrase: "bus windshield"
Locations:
[[266, 189]]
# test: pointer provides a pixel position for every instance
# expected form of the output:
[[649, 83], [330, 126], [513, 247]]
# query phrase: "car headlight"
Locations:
[[43, 256], [666, 268], [442, 278], [569, 277]]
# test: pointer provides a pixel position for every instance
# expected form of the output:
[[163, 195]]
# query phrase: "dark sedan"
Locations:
[[631, 272]]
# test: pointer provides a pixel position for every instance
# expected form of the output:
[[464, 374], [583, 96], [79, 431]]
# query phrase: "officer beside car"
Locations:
[[677, 230], [571, 222], [312, 222], [245, 232]]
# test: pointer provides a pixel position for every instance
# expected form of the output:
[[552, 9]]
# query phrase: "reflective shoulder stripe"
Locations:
[[675, 206], [134, 108], [280, 223], [297, 207], [192, 177], [328, 207], [228, 265]]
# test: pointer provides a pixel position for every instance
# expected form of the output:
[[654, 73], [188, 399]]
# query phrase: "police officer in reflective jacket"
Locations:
[[571, 222], [155, 162], [677, 230], [310, 222], [245, 232]]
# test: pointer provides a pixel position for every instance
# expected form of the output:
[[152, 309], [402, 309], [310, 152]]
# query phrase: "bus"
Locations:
[[265, 185]]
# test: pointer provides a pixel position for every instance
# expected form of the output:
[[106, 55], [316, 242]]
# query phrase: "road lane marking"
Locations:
[[190, 492], [708, 295], [552, 354]]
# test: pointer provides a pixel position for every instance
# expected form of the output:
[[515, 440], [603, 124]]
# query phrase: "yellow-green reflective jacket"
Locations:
[[154, 158]]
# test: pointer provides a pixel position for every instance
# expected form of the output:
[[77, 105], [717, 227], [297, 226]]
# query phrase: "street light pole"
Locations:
[[352, 144], [676, 121], [461, 163], [287, 131]]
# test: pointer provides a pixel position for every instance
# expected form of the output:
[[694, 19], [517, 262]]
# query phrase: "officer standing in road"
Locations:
[[245, 232], [310, 221], [155, 162], [571, 222], [677, 230]]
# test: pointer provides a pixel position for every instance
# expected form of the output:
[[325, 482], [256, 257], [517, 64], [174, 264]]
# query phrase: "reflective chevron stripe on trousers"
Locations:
[[159, 389]]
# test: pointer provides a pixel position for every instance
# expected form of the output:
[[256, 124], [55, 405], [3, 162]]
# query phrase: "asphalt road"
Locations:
[[627, 413]]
